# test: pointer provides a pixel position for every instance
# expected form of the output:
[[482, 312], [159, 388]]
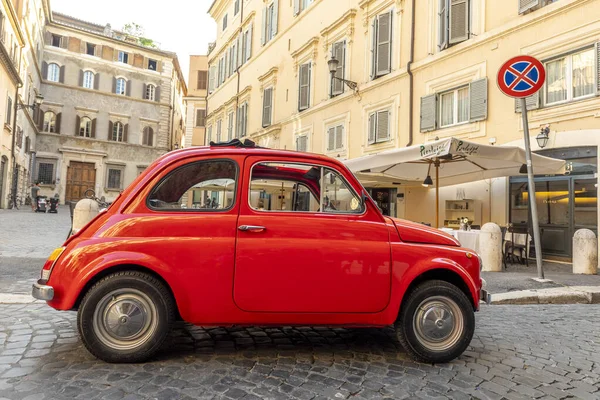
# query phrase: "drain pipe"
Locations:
[[411, 76], [237, 93]]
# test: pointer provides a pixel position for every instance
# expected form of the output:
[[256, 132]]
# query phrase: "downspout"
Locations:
[[14, 184], [241, 32], [411, 79], [172, 116]]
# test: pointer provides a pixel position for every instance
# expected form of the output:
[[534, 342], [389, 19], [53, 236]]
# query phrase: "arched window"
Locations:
[[148, 136], [117, 134], [150, 92], [88, 80], [53, 72], [49, 122], [121, 86], [85, 127]]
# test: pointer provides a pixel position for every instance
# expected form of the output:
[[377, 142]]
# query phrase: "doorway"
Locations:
[[80, 177]]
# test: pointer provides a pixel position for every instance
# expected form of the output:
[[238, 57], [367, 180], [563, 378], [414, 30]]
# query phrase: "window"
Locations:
[[270, 22], [302, 143], [301, 5], [379, 126], [571, 77], [202, 80], [212, 78], [242, 120], [304, 86], [531, 5], [454, 107], [45, 172], [381, 63], [121, 86], [454, 22], [335, 138], [267, 107], [208, 135], [9, 110], [118, 132], [246, 45], [49, 122], [27, 145], [85, 127], [123, 57], [236, 7], [114, 177], [150, 92], [204, 186], [301, 188], [56, 41], [147, 136], [90, 49], [88, 80], [230, 126], [53, 73], [152, 64], [338, 50], [200, 118], [225, 22], [219, 126]]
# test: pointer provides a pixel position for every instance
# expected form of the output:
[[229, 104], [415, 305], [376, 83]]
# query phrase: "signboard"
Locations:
[[521, 77]]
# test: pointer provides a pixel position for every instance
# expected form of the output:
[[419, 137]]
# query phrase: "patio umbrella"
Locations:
[[452, 161]]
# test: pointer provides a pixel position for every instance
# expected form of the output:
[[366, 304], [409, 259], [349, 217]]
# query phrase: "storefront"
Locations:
[[565, 203]]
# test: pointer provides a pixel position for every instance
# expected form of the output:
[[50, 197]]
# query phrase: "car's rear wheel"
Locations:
[[125, 317], [436, 322]]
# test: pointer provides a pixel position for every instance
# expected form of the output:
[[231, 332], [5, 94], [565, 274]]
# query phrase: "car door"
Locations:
[[307, 244]]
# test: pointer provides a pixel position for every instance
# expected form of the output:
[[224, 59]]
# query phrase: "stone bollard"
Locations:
[[85, 210], [585, 252], [490, 247]]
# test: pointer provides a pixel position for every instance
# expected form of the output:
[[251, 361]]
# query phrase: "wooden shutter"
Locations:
[[240, 48], [384, 44], [144, 87], [428, 113], [128, 88], [275, 22], [114, 85], [234, 55], [40, 120], [108, 53], [159, 66], [443, 24], [230, 127], [57, 123], [110, 130], [331, 138], [526, 5], [338, 51], [249, 42], [64, 42], [80, 78], [125, 130], [263, 31], [304, 87], [598, 68], [297, 7], [211, 79], [157, 94], [94, 128], [339, 136], [459, 21], [44, 70], [267, 107], [77, 124], [82, 47], [97, 81], [383, 125], [61, 77], [302, 143], [116, 55], [533, 103], [374, 28], [478, 97], [74, 45], [47, 38], [138, 61], [372, 127]]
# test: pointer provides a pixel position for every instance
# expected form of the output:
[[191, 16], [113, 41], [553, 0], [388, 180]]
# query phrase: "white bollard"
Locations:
[[585, 252], [85, 210], [490, 247]]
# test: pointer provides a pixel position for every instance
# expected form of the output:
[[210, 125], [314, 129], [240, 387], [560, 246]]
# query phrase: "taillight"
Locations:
[[50, 263]]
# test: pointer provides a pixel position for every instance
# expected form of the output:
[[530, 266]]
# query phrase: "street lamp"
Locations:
[[39, 99], [333, 64], [543, 137]]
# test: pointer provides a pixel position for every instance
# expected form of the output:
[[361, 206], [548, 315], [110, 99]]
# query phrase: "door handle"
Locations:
[[251, 228]]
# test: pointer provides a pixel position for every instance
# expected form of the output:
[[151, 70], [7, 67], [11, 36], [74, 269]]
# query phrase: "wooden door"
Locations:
[[80, 177]]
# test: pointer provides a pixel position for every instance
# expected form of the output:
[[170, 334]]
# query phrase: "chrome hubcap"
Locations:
[[438, 323], [125, 319]]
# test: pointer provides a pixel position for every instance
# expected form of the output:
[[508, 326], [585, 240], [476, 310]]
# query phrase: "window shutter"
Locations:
[[226, 65], [384, 44], [240, 54], [47, 38], [57, 123], [144, 87], [230, 127], [82, 47], [374, 28], [598, 68], [302, 143], [297, 7], [64, 42], [211, 79], [40, 120], [249, 43], [125, 130], [383, 125], [339, 136], [267, 107], [459, 21], [428, 113], [533, 103], [275, 24], [114, 85], [372, 127], [157, 94], [443, 24], [304, 92], [478, 95], [94, 128], [128, 88], [244, 119], [263, 31], [97, 81], [526, 5], [45, 70], [208, 135], [330, 139], [235, 52], [80, 78], [339, 53], [110, 130], [61, 78], [77, 124]]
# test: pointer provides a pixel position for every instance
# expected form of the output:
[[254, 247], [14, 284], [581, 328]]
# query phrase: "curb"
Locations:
[[9, 298], [563, 295]]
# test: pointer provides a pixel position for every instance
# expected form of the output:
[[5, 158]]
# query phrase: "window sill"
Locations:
[[112, 190]]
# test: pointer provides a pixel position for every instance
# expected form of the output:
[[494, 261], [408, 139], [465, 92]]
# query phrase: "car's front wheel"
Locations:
[[436, 322], [125, 317]]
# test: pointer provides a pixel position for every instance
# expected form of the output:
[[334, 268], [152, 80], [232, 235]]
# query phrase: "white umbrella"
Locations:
[[454, 161]]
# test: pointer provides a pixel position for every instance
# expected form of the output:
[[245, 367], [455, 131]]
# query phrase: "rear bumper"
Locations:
[[41, 291]]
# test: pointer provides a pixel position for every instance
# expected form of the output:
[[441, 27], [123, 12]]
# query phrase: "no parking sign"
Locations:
[[521, 77]]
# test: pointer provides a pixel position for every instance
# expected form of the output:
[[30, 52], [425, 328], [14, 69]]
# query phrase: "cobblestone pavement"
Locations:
[[525, 352]]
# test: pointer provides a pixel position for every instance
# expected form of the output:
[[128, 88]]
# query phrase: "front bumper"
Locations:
[[41, 291], [483, 294]]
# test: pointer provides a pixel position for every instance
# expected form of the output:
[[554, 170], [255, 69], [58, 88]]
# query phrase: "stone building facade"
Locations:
[[196, 101]]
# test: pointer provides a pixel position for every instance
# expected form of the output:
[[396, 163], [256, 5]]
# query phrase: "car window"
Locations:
[[291, 187], [202, 186]]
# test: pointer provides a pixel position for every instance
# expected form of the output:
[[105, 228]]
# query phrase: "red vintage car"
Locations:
[[239, 235]]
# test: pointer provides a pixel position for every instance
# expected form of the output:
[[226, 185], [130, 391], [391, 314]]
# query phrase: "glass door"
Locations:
[[585, 205]]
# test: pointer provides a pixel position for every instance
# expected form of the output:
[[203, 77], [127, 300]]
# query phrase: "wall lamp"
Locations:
[[543, 137], [333, 64], [39, 99]]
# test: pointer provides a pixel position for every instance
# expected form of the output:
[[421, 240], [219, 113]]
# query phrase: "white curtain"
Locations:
[[583, 74]]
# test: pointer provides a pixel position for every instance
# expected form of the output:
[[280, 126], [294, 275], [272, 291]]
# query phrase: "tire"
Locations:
[[125, 317], [436, 322]]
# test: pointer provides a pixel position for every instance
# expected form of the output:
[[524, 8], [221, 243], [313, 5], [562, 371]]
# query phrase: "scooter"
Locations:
[[41, 204], [53, 205]]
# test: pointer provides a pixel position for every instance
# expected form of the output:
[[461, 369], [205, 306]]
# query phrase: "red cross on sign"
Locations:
[[521, 77]]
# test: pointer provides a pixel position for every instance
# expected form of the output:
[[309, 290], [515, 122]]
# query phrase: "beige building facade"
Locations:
[[423, 70], [196, 101]]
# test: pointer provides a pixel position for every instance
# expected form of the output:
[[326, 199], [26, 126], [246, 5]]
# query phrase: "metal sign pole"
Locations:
[[532, 202]]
